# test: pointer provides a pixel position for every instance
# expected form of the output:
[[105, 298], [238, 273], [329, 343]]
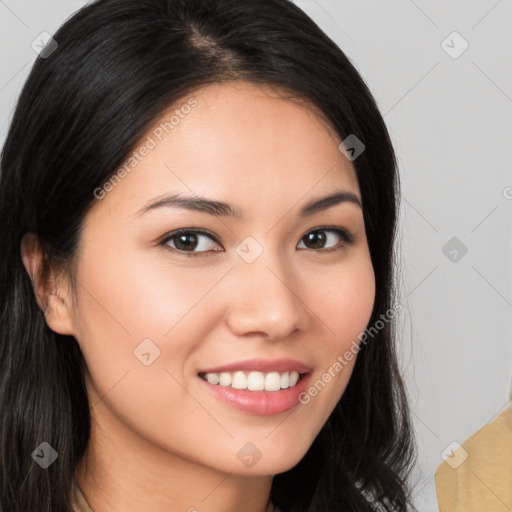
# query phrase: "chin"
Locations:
[[272, 459]]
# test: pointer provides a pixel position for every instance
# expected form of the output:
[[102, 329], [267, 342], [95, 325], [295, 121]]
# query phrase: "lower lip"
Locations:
[[260, 402]]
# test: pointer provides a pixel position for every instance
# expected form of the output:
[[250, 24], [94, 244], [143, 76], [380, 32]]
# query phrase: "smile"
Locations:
[[253, 381]]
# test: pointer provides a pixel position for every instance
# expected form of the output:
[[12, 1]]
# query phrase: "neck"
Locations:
[[121, 470]]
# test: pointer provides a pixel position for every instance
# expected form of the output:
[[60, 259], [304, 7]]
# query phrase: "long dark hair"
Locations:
[[118, 65]]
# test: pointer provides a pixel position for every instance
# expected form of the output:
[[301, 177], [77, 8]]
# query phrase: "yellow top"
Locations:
[[477, 477]]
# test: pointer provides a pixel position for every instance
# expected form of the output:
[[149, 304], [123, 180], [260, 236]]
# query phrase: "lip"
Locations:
[[262, 365]]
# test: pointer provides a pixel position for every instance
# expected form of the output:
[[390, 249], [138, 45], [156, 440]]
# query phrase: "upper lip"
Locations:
[[262, 365]]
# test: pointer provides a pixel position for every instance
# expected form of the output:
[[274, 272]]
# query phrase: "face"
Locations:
[[173, 326]]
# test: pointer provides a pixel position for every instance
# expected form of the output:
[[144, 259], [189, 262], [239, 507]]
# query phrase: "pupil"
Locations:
[[185, 245], [319, 237]]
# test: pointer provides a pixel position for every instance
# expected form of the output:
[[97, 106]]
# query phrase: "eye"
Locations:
[[186, 240], [317, 238]]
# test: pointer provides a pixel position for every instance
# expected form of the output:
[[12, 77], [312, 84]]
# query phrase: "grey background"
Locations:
[[450, 120]]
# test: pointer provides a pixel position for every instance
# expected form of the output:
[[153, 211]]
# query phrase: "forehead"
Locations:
[[238, 142]]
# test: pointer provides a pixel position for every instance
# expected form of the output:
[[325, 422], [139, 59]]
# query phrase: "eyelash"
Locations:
[[343, 233]]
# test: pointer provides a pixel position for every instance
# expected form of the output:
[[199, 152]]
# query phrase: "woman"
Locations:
[[198, 202]]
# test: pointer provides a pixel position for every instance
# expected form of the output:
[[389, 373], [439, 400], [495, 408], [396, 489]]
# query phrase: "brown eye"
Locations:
[[317, 239], [194, 242], [188, 240]]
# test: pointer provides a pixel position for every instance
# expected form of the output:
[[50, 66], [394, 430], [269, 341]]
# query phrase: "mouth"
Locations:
[[257, 393], [254, 380], [258, 386]]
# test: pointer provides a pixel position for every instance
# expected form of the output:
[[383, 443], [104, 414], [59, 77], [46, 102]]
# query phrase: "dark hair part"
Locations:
[[119, 64]]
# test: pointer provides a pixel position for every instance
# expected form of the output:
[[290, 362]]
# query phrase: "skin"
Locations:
[[159, 441]]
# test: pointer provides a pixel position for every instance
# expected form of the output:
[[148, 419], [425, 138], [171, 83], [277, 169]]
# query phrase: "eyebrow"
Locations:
[[221, 209]]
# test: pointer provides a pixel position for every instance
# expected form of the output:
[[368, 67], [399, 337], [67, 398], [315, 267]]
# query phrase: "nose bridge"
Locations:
[[264, 298]]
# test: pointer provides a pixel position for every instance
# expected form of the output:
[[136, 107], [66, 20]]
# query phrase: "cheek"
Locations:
[[144, 297], [342, 301], [347, 302], [124, 304], [132, 363]]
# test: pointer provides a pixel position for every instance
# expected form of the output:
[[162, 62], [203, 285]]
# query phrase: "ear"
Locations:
[[53, 298]]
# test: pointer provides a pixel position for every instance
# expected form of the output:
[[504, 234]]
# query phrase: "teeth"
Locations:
[[254, 381], [224, 378], [213, 378], [239, 381], [272, 381]]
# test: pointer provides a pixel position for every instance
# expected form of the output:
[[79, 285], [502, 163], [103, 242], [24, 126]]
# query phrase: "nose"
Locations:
[[265, 298]]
